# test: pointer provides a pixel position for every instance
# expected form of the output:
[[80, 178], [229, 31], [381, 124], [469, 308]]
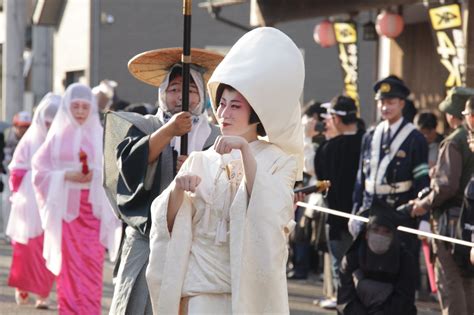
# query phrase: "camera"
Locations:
[[320, 126]]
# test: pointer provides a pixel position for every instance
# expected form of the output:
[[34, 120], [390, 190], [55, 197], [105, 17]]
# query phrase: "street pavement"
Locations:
[[302, 293]]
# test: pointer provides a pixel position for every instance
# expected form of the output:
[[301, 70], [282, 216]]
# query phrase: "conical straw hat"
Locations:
[[152, 66]]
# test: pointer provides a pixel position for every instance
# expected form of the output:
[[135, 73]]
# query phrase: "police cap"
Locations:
[[391, 87]]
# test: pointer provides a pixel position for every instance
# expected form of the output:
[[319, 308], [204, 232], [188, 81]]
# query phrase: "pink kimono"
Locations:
[[28, 271], [77, 218]]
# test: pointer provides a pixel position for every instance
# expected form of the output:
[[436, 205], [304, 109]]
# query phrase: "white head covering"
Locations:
[[107, 87], [200, 130], [24, 221], [59, 199], [267, 68], [198, 80], [36, 133]]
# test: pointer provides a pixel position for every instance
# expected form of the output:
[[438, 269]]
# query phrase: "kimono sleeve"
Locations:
[[46, 178], [52, 197], [168, 252], [134, 196], [266, 225], [347, 299], [132, 158], [402, 301]]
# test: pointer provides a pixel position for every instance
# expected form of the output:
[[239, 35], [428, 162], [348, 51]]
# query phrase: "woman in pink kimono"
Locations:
[[219, 235], [28, 271], [77, 219]]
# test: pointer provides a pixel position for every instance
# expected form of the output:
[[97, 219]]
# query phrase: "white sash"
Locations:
[[377, 171]]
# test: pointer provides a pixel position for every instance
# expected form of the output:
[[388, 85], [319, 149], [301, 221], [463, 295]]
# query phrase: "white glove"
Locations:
[[472, 250], [354, 227], [424, 226]]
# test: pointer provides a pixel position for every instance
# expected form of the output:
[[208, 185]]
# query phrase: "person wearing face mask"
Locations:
[[377, 272], [78, 221], [28, 272], [149, 158], [219, 232]]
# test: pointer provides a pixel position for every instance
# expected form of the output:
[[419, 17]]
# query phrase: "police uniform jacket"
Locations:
[[394, 173]]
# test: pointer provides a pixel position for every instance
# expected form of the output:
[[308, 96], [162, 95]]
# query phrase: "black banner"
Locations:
[[346, 37], [446, 21]]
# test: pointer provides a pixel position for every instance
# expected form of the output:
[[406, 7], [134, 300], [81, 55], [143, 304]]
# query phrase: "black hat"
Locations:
[[342, 106], [391, 87], [381, 213]]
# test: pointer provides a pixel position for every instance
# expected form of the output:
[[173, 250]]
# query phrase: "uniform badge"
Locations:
[[385, 88], [401, 154]]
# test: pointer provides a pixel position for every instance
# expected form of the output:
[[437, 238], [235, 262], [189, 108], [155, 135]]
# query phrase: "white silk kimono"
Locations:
[[259, 224]]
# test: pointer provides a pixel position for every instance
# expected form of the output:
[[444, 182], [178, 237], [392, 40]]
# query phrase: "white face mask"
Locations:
[[379, 244]]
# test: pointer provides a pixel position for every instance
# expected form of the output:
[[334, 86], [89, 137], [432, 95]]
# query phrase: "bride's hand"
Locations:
[[78, 177], [225, 144], [187, 182]]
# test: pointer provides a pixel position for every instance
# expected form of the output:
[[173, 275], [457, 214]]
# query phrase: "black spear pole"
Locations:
[[186, 60]]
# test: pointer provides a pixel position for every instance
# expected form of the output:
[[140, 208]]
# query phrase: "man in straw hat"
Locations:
[[453, 169], [149, 157]]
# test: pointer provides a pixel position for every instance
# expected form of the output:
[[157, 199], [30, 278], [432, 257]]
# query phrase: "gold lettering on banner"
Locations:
[[447, 25], [346, 36]]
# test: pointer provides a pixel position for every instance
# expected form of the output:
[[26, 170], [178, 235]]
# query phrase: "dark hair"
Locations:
[[253, 119], [313, 107], [409, 110], [346, 102], [426, 120], [177, 71], [136, 108], [361, 124]]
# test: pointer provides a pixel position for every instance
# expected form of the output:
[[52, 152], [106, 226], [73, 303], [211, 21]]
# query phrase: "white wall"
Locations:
[[2, 27], [72, 42]]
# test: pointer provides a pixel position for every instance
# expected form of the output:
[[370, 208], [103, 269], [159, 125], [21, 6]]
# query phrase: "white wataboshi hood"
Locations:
[[267, 68]]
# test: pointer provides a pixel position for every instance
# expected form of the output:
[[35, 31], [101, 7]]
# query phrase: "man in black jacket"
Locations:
[[338, 163]]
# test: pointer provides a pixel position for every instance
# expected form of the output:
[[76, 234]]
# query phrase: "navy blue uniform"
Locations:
[[394, 173]]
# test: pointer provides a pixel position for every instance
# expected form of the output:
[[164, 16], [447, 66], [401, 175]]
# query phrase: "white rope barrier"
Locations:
[[400, 228]]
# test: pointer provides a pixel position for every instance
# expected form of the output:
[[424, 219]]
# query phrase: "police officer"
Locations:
[[393, 164], [452, 172]]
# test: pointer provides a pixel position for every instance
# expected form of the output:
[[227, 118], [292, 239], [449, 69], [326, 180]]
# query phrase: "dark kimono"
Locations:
[[389, 281]]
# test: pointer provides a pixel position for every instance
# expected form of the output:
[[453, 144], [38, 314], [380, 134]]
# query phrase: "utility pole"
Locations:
[[13, 82]]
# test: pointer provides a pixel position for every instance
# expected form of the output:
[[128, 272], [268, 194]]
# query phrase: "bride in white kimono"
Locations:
[[219, 232]]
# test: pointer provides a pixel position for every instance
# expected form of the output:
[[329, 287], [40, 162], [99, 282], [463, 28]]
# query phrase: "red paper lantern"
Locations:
[[324, 34], [389, 24]]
